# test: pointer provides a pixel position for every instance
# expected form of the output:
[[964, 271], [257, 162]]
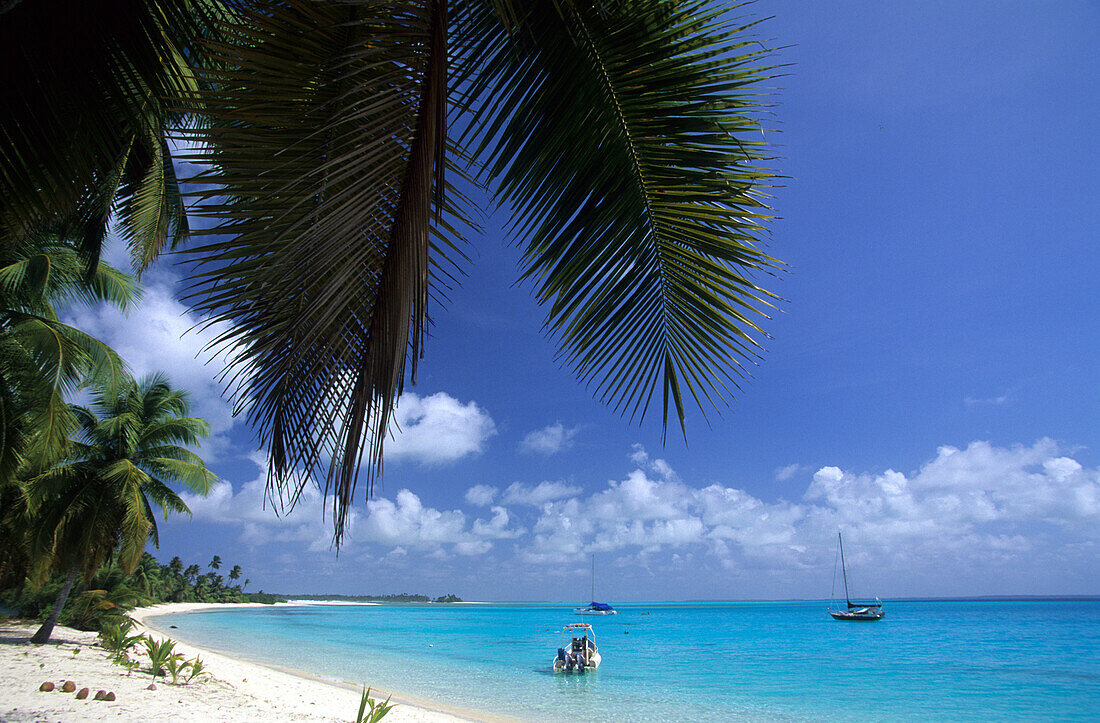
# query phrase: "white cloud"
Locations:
[[979, 515], [437, 429], [481, 495], [981, 502], [783, 474], [518, 493], [161, 336], [997, 401], [260, 524], [403, 523], [549, 440]]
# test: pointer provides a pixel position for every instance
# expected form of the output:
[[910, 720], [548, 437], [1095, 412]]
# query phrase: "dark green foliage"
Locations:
[[103, 603]]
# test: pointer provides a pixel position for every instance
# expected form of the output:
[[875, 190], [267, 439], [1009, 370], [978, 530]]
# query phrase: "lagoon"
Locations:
[[940, 660]]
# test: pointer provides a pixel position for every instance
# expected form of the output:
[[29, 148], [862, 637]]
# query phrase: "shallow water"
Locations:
[[959, 660]]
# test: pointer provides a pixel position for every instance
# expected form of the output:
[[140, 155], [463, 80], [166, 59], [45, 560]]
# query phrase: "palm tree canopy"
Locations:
[[116, 74], [626, 135], [131, 447], [42, 359]]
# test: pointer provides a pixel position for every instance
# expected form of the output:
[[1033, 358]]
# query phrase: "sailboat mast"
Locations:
[[844, 569], [593, 577]]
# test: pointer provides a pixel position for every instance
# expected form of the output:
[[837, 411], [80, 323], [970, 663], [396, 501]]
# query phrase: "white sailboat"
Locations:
[[595, 608], [855, 612]]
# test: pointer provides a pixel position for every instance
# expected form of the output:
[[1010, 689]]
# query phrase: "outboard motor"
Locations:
[[561, 656]]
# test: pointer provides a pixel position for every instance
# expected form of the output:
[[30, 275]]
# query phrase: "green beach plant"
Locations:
[[196, 668], [176, 666], [116, 638], [378, 710], [159, 652]]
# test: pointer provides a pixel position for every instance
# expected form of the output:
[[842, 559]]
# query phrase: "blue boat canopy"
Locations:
[[598, 606]]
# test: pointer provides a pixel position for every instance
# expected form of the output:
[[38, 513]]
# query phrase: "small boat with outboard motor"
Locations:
[[578, 652]]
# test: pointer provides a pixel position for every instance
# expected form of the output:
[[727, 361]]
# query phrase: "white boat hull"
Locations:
[[593, 664]]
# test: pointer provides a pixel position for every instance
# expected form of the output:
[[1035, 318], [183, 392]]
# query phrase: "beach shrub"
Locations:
[[116, 639], [196, 668], [159, 653], [176, 666], [378, 710]]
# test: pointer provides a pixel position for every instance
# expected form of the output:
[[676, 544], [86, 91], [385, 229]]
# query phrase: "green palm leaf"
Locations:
[[627, 139], [327, 148]]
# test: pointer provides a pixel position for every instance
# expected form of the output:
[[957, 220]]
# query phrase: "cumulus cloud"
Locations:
[[783, 474], [518, 493], [260, 525], [437, 429], [974, 513], [980, 502], [162, 336], [549, 440], [403, 523], [406, 522], [481, 495]]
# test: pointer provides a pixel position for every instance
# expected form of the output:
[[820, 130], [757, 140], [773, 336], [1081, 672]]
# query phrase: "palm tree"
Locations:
[[42, 359], [626, 135], [100, 500], [215, 562], [235, 573], [191, 573]]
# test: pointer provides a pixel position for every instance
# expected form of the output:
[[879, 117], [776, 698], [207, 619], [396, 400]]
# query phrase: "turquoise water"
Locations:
[[771, 661]]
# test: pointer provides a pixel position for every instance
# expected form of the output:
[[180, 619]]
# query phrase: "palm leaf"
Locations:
[[327, 147], [627, 139], [73, 108]]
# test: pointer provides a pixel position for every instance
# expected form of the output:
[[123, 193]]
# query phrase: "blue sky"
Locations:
[[931, 387]]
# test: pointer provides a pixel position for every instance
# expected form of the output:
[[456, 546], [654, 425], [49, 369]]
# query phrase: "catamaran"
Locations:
[[580, 654], [854, 611], [595, 608]]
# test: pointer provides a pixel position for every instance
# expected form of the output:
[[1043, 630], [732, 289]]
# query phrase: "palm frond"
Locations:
[[628, 140], [327, 148], [71, 108]]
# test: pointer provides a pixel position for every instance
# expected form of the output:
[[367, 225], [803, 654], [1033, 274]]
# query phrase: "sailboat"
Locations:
[[854, 611], [595, 608]]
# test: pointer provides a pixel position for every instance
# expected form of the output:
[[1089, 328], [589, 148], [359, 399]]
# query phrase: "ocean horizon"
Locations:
[[961, 659]]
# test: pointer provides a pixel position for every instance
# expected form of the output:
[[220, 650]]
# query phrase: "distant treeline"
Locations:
[[402, 597], [112, 592]]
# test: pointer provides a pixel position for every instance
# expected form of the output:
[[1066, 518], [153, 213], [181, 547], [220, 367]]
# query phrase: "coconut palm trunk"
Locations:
[[44, 632]]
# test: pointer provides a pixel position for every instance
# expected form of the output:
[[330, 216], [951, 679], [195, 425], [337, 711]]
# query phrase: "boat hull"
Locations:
[[857, 617], [592, 666], [586, 611]]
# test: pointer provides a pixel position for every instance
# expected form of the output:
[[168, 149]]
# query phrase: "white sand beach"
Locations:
[[235, 691]]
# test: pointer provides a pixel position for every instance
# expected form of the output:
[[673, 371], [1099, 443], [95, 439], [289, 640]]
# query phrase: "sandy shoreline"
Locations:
[[235, 692]]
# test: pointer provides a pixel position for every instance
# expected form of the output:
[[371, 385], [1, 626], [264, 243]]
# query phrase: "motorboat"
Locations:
[[578, 652]]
